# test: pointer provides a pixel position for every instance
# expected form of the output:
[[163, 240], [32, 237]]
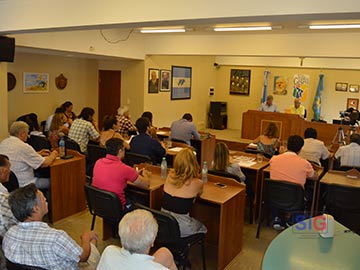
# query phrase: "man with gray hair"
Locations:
[[126, 126], [137, 230], [23, 158], [268, 105]]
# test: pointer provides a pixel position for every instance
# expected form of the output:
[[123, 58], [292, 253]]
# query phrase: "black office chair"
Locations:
[[94, 152], [131, 159], [169, 236], [71, 144], [249, 191], [104, 204], [343, 203], [39, 142], [282, 195], [178, 140], [16, 266], [13, 183]]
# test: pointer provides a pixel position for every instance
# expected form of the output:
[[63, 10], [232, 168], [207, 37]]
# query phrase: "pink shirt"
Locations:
[[111, 174], [290, 167]]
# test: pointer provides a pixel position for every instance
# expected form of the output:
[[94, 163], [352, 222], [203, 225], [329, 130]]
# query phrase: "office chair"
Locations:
[[94, 152], [249, 191], [13, 183], [38, 142], [16, 266], [169, 236], [343, 203], [71, 144], [131, 159], [104, 204], [282, 195]]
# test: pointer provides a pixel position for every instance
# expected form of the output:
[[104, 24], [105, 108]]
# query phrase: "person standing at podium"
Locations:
[[268, 105]]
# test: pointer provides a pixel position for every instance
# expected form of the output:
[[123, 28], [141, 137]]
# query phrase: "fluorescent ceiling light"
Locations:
[[334, 26], [250, 28], [175, 30]]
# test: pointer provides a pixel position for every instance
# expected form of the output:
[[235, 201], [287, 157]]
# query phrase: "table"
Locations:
[[298, 251], [67, 186], [339, 178]]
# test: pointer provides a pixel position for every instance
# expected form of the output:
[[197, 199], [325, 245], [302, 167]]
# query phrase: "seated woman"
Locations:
[[110, 125], [57, 129], [222, 161], [180, 190], [269, 142], [153, 129]]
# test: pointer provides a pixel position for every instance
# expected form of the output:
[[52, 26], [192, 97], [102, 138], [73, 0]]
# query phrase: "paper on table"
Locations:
[[161, 132], [252, 145], [176, 149], [245, 161]]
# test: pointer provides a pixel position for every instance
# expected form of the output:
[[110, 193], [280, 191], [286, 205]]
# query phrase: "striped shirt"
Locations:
[[81, 131], [349, 155], [125, 125]]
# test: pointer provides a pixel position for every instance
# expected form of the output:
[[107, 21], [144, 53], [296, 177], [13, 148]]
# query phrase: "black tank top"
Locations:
[[176, 204]]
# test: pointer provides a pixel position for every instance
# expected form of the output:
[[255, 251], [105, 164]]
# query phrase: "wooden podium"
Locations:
[[255, 122]]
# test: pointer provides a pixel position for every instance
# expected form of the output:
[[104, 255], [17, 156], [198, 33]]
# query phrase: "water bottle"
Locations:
[[163, 168], [204, 172], [62, 151]]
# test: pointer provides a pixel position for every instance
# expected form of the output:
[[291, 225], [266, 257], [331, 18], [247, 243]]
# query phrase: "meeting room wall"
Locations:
[[81, 89], [3, 101]]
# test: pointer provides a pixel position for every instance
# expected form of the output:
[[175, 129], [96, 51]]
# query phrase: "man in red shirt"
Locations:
[[111, 174]]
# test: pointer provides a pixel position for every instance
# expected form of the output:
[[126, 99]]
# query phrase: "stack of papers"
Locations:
[[244, 161], [161, 132]]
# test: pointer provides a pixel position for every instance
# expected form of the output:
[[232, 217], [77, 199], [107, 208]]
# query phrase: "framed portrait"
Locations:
[[165, 76], [354, 88], [153, 81], [36, 82], [352, 103], [280, 85], [181, 82], [240, 82], [339, 86]]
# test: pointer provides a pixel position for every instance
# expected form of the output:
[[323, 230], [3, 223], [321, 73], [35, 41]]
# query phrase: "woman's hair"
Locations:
[[221, 157], [148, 115], [185, 168], [109, 122], [271, 130], [66, 105], [57, 121]]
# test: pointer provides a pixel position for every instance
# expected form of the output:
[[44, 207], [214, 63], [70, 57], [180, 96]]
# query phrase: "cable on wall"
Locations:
[[118, 40]]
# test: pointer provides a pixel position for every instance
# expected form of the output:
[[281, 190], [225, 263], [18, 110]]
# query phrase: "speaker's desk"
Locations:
[[67, 186]]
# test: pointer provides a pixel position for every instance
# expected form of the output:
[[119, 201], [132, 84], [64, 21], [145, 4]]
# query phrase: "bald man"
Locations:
[[297, 108]]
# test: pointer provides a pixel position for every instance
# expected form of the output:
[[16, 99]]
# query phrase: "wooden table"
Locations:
[[294, 250], [339, 178], [67, 186], [254, 172]]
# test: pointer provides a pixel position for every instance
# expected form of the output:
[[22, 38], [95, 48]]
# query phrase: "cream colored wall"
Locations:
[[3, 101], [81, 89], [164, 109]]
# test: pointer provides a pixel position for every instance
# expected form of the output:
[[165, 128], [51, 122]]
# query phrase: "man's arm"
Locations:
[[86, 239], [143, 179], [49, 159], [195, 133]]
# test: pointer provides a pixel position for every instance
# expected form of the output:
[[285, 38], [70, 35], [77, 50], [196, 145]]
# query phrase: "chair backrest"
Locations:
[[39, 142], [131, 159], [71, 144], [13, 182], [178, 140], [283, 195], [95, 152], [16, 266], [103, 203], [169, 231], [225, 174]]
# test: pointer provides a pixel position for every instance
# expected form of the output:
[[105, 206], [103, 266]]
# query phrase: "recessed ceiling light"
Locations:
[[334, 26], [175, 30], [250, 28]]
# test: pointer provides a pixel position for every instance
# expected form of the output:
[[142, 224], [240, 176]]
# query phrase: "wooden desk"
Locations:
[[339, 178], [296, 251], [67, 186], [254, 172]]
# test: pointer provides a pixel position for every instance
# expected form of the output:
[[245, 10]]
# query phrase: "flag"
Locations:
[[266, 76], [317, 100]]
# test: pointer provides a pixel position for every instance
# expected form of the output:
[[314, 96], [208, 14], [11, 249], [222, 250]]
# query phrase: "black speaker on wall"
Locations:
[[7, 49]]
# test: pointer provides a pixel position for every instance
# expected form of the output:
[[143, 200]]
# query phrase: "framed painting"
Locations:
[[36, 82], [181, 82], [153, 79], [339, 86], [165, 80], [352, 103], [240, 82]]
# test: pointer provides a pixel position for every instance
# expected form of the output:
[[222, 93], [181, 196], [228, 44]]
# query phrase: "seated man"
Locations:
[[111, 174], [23, 158], [349, 155], [184, 129], [126, 127], [144, 144], [297, 108], [313, 149], [33, 242], [268, 105], [137, 231]]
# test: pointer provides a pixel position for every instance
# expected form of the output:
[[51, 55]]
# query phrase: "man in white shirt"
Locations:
[[23, 158], [349, 155], [313, 150], [268, 105], [137, 231]]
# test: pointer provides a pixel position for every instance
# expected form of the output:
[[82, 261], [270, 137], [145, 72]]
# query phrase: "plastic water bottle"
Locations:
[[163, 167], [204, 172], [62, 150]]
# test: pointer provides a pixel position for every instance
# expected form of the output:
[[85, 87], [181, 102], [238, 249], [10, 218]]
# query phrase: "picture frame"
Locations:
[[36, 82], [181, 82], [165, 80], [352, 103], [340, 86], [240, 82], [153, 81], [354, 88]]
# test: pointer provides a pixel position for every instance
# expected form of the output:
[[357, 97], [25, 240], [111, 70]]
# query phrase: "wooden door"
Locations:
[[109, 93]]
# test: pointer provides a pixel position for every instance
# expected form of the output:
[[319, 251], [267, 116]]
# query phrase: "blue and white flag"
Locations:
[[264, 95], [317, 100]]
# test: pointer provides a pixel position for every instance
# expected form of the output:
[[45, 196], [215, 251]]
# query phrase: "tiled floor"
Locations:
[[249, 258]]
